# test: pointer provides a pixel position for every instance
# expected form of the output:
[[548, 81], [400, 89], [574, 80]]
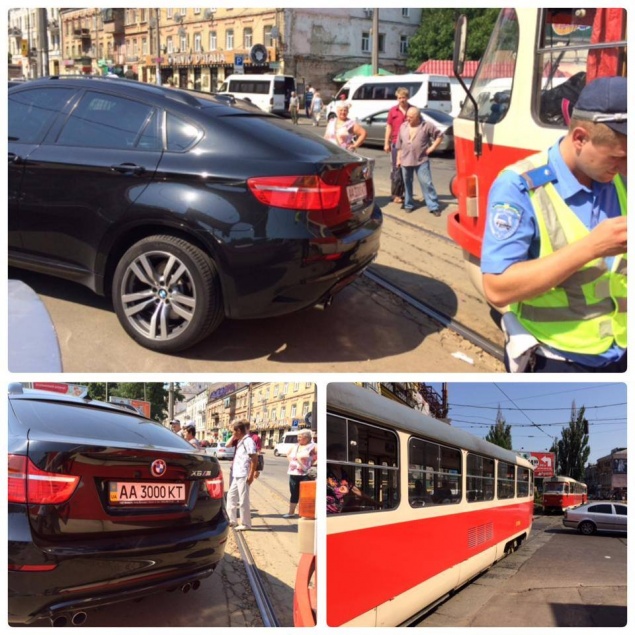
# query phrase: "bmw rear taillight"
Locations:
[[31, 485], [215, 486], [309, 193]]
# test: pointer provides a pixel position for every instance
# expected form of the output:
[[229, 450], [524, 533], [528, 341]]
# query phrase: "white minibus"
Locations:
[[269, 92], [368, 95]]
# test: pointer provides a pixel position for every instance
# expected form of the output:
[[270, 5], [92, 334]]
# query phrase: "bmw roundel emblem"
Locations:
[[158, 468]]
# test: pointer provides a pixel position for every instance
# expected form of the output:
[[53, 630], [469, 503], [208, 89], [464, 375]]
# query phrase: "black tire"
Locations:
[[170, 315], [586, 527]]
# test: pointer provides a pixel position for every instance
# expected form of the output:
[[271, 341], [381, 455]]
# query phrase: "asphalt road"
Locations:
[[557, 578]]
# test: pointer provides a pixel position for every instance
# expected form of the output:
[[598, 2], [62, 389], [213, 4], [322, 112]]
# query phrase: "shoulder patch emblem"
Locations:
[[504, 220]]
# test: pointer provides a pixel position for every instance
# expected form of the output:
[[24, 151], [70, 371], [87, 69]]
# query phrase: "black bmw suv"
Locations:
[[182, 207], [104, 506]]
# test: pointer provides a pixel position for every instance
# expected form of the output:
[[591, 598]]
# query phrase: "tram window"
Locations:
[[505, 480], [574, 43], [362, 467], [523, 484], [434, 474], [480, 478]]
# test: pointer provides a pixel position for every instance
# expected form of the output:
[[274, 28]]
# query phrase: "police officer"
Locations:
[[554, 247]]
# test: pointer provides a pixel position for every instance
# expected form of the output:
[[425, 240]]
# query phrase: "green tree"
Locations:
[[434, 40], [155, 393], [500, 433], [573, 448]]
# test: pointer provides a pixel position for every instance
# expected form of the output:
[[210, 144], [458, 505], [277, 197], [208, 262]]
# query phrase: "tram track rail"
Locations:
[[489, 347], [265, 606]]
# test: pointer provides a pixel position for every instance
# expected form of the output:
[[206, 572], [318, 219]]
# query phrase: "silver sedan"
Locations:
[[600, 516], [375, 126]]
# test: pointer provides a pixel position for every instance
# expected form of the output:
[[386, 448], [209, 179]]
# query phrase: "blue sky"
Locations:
[[473, 407]]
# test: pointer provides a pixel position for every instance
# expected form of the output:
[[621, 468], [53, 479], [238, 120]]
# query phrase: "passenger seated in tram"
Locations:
[[342, 495], [442, 494]]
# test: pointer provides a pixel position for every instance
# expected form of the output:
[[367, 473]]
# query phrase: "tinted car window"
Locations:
[[601, 509], [31, 112], [620, 510], [150, 138], [181, 134], [105, 121]]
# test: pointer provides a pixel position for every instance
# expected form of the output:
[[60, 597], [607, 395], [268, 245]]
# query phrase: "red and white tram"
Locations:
[[536, 62], [415, 508], [562, 492]]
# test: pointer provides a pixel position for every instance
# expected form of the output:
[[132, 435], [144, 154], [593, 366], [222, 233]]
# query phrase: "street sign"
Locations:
[[295, 423], [239, 64]]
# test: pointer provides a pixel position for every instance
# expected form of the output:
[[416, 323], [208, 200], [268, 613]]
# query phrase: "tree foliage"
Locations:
[[156, 393], [434, 40], [573, 448], [500, 433]]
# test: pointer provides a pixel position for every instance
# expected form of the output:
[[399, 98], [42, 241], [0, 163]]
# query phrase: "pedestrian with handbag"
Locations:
[[394, 121], [301, 459]]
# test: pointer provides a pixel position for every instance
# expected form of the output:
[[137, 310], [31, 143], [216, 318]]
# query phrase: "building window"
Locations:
[[248, 38], [294, 411], [405, 13], [196, 11], [169, 43], [144, 46], [229, 40], [197, 43], [365, 42], [213, 43], [275, 390], [296, 387], [403, 44], [170, 13], [267, 39], [285, 389], [305, 408], [283, 413], [273, 414], [183, 43]]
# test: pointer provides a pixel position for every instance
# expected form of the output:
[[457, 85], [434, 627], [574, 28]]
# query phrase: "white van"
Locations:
[[289, 439], [368, 95], [269, 92]]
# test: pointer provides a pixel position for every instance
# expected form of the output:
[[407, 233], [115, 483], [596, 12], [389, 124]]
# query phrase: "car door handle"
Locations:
[[125, 168]]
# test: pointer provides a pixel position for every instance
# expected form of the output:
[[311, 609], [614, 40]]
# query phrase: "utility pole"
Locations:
[[375, 45], [158, 44], [43, 40], [171, 401]]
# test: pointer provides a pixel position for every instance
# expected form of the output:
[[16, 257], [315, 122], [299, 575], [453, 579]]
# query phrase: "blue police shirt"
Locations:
[[511, 230]]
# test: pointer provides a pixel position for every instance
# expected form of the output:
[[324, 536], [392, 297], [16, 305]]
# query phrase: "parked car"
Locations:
[[375, 126], [592, 517], [104, 506], [184, 208], [220, 450]]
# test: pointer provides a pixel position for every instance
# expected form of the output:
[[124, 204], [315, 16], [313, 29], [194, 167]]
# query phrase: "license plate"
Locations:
[[356, 192], [129, 493]]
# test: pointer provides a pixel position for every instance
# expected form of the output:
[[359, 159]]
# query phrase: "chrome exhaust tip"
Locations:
[[186, 587], [79, 618], [59, 620]]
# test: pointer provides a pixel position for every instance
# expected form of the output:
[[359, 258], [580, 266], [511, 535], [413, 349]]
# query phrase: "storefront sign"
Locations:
[[187, 59]]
